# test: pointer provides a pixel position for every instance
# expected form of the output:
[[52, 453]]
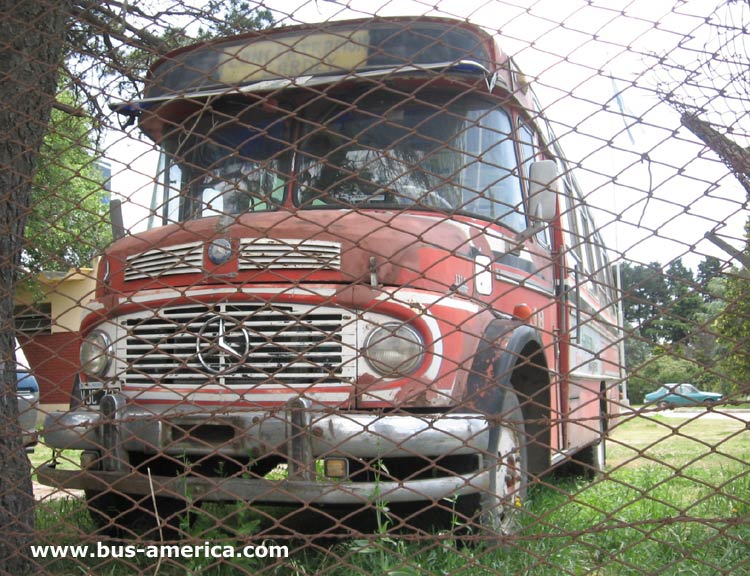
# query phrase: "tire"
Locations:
[[129, 516], [496, 511], [590, 461]]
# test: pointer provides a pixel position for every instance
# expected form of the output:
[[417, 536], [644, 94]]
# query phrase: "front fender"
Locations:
[[499, 350]]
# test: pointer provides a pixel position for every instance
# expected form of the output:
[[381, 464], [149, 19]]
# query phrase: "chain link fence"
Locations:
[[375, 288]]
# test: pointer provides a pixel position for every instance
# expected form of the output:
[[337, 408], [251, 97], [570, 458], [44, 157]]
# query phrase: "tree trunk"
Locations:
[[32, 33]]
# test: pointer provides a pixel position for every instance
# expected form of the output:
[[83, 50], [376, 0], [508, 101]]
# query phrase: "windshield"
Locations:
[[389, 151], [381, 151], [223, 164]]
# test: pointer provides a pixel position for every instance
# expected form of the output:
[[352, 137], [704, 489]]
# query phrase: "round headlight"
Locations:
[[96, 352], [394, 349]]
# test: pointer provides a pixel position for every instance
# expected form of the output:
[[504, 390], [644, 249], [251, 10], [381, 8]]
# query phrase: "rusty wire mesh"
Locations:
[[375, 288]]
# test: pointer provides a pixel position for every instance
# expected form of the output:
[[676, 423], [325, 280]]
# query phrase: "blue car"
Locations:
[[27, 392], [671, 395]]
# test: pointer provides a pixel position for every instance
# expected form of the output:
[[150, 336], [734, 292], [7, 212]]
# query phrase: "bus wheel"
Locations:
[[130, 516], [590, 461], [594, 457], [496, 511]]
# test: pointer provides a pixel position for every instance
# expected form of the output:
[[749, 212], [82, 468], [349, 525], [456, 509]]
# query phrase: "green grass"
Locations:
[[675, 501], [66, 459]]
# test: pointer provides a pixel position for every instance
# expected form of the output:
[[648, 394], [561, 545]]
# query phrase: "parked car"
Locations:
[[27, 392], [671, 395]]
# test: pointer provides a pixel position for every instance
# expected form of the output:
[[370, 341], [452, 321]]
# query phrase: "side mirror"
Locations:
[[544, 179], [115, 219]]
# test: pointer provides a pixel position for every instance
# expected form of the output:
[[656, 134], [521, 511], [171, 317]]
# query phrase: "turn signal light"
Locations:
[[522, 311]]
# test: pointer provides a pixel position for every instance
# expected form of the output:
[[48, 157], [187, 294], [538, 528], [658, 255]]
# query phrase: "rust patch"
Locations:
[[413, 393]]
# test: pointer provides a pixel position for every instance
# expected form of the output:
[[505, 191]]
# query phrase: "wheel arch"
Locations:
[[511, 358]]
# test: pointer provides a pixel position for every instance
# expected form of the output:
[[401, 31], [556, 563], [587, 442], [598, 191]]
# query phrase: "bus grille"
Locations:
[[239, 345]]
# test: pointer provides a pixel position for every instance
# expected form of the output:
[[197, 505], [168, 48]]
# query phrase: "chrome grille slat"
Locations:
[[298, 344]]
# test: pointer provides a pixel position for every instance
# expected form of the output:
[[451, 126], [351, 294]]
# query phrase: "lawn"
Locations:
[[675, 500]]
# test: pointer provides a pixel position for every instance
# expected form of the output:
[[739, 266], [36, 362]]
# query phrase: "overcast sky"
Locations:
[[668, 193]]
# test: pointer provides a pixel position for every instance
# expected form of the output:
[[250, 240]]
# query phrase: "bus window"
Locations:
[[589, 266], [571, 235], [165, 199], [224, 164], [456, 157]]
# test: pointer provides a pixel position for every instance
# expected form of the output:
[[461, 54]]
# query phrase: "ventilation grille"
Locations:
[[266, 253], [239, 344], [181, 259]]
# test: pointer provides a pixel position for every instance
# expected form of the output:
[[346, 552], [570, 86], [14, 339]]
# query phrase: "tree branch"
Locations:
[[732, 154], [70, 110]]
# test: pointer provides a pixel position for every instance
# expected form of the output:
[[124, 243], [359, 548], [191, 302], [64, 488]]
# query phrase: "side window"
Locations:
[[165, 196], [601, 268], [490, 173], [586, 239], [571, 235], [527, 142]]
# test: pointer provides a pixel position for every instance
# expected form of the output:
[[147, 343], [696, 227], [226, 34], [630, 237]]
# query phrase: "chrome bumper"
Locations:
[[299, 431]]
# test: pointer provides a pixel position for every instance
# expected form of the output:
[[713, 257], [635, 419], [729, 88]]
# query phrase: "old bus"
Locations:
[[370, 274]]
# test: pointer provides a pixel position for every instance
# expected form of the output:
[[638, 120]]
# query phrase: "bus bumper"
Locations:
[[299, 432]]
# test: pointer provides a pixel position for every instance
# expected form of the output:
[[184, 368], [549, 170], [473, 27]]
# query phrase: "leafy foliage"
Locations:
[[114, 43], [672, 323], [67, 224], [734, 327]]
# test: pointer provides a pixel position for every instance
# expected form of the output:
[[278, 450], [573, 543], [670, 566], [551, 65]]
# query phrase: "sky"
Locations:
[[654, 189]]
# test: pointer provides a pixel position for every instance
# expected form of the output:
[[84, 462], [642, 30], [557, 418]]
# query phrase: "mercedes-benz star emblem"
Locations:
[[219, 251], [222, 345]]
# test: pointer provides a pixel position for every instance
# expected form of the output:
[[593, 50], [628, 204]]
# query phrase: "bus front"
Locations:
[[310, 296]]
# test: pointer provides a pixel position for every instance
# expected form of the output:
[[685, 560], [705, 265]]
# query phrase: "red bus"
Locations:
[[370, 275]]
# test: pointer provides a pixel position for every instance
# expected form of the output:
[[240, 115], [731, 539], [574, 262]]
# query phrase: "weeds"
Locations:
[[688, 515]]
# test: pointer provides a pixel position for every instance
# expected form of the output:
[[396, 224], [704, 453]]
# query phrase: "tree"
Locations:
[[89, 41], [708, 270], [733, 325], [115, 42], [67, 225], [646, 294], [668, 311], [30, 57], [706, 91], [710, 95], [681, 314]]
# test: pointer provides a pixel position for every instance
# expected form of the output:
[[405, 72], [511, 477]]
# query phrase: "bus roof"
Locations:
[[315, 54]]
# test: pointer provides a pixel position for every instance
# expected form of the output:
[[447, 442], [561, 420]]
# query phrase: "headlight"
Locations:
[[394, 349], [96, 353]]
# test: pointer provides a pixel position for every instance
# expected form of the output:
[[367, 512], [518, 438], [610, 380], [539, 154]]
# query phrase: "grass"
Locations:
[[675, 500], [66, 460]]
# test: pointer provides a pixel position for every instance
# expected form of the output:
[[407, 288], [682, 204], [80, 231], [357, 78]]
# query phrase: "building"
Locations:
[[48, 315]]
